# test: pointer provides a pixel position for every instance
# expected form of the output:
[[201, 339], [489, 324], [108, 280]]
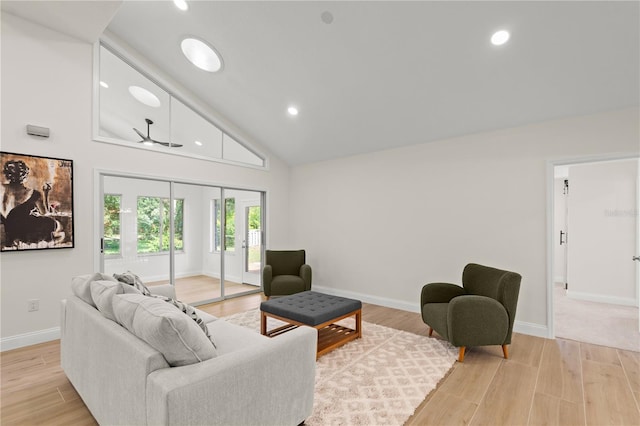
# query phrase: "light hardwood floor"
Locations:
[[201, 287], [545, 382]]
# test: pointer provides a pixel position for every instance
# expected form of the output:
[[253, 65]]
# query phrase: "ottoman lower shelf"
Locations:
[[330, 335]]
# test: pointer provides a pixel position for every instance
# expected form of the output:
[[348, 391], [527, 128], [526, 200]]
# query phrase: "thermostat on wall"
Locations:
[[37, 131]]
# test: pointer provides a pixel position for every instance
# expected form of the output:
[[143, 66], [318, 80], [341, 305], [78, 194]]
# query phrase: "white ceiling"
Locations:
[[385, 74]]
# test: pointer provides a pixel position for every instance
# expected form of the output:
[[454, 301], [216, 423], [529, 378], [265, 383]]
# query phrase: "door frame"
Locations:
[[551, 164]]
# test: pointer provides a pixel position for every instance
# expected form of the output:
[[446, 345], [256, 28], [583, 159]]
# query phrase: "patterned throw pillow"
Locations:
[[134, 280]]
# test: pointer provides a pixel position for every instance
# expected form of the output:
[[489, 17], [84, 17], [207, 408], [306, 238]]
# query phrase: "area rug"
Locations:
[[379, 379]]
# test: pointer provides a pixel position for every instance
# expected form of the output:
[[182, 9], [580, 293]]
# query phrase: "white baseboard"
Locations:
[[590, 297], [382, 301], [531, 329], [522, 327], [28, 339]]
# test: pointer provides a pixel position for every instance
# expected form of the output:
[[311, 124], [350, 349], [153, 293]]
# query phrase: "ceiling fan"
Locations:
[[148, 141]]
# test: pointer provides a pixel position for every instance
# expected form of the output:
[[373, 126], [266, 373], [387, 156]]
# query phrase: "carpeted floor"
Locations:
[[379, 379], [598, 323]]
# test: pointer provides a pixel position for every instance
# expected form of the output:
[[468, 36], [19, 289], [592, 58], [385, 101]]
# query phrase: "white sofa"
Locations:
[[253, 380]]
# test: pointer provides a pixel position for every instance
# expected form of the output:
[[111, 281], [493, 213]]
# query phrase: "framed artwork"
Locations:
[[36, 202]]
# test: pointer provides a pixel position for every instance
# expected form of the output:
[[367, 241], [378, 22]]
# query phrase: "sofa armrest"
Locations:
[[477, 320], [267, 277], [266, 384], [305, 274], [440, 293]]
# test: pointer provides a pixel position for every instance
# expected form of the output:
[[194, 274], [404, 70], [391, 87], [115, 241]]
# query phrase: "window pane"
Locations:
[[112, 205], [178, 234], [230, 224], [166, 224], [148, 224], [216, 225]]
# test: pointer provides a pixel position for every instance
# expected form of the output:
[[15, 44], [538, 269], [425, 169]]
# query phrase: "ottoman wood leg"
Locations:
[[263, 323]]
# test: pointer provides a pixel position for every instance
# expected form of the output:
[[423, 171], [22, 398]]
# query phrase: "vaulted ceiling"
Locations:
[[373, 75]]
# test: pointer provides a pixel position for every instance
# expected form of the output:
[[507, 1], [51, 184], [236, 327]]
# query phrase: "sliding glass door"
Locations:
[[204, 239], [137, 224]]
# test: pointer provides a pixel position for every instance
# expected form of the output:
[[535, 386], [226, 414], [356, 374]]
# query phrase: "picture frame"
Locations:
[[36, 202]]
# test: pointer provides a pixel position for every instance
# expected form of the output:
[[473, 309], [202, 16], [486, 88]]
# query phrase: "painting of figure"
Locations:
[[36, 202]]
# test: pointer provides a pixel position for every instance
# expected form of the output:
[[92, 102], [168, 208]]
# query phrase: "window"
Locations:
[[230, 224], [112, 206], [173, 120], [154, 224]]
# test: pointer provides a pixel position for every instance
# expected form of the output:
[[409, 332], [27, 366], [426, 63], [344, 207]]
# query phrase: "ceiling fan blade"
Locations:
[[167, 144], [144, 138]]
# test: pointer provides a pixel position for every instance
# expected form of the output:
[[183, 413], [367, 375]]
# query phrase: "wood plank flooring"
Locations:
[[202, 287], [545, 382]]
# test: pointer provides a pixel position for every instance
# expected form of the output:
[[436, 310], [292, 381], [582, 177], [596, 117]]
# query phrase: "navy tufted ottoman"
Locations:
[[316, 310]]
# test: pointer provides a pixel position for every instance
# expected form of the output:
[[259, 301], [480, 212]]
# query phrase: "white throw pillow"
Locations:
[[81, 285], [164, 327], [102, 293]]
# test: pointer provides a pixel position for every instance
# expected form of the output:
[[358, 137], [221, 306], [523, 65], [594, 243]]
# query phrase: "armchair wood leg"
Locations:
[[505, 351], [430, 331], [461, 354]]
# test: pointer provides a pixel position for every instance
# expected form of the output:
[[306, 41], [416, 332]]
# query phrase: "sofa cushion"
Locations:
[[164, 327], [134, 280], [81, 285], [102, 292]]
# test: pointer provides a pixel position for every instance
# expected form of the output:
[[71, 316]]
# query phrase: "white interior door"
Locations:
[[604, 231], [636, 258]]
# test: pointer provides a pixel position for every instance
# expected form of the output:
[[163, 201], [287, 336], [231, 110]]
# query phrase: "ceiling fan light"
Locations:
[[144, 96], [147, 143], [181, 4], [201, 54]]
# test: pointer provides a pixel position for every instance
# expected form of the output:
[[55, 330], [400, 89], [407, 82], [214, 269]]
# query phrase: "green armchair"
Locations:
[[479, 313], [285, 272]]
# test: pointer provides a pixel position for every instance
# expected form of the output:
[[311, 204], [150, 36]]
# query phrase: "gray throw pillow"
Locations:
[[188, 310], [81, 285], [164, 327], [103, 291]]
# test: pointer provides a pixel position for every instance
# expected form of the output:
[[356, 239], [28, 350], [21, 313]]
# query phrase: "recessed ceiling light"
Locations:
[[103, 84], [198, 143], [292, 110], [326, 17], [500, 37], [181, 4], [201, 54], [144, 96]]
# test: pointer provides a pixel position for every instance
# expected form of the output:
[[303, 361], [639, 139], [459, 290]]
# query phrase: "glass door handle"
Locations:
[[636, 258]]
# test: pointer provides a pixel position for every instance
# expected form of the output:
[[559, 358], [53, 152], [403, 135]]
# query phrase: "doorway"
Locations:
[[180, 233], [252, 243], [594, 287]]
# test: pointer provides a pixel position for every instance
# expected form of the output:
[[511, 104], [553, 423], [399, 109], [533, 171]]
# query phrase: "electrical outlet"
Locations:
[[33, 305]]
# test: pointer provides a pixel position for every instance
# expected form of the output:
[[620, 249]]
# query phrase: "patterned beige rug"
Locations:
[[377, 380]]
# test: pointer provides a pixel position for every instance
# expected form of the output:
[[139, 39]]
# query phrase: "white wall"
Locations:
[[602, 222], [381, 225], [47, 81]]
